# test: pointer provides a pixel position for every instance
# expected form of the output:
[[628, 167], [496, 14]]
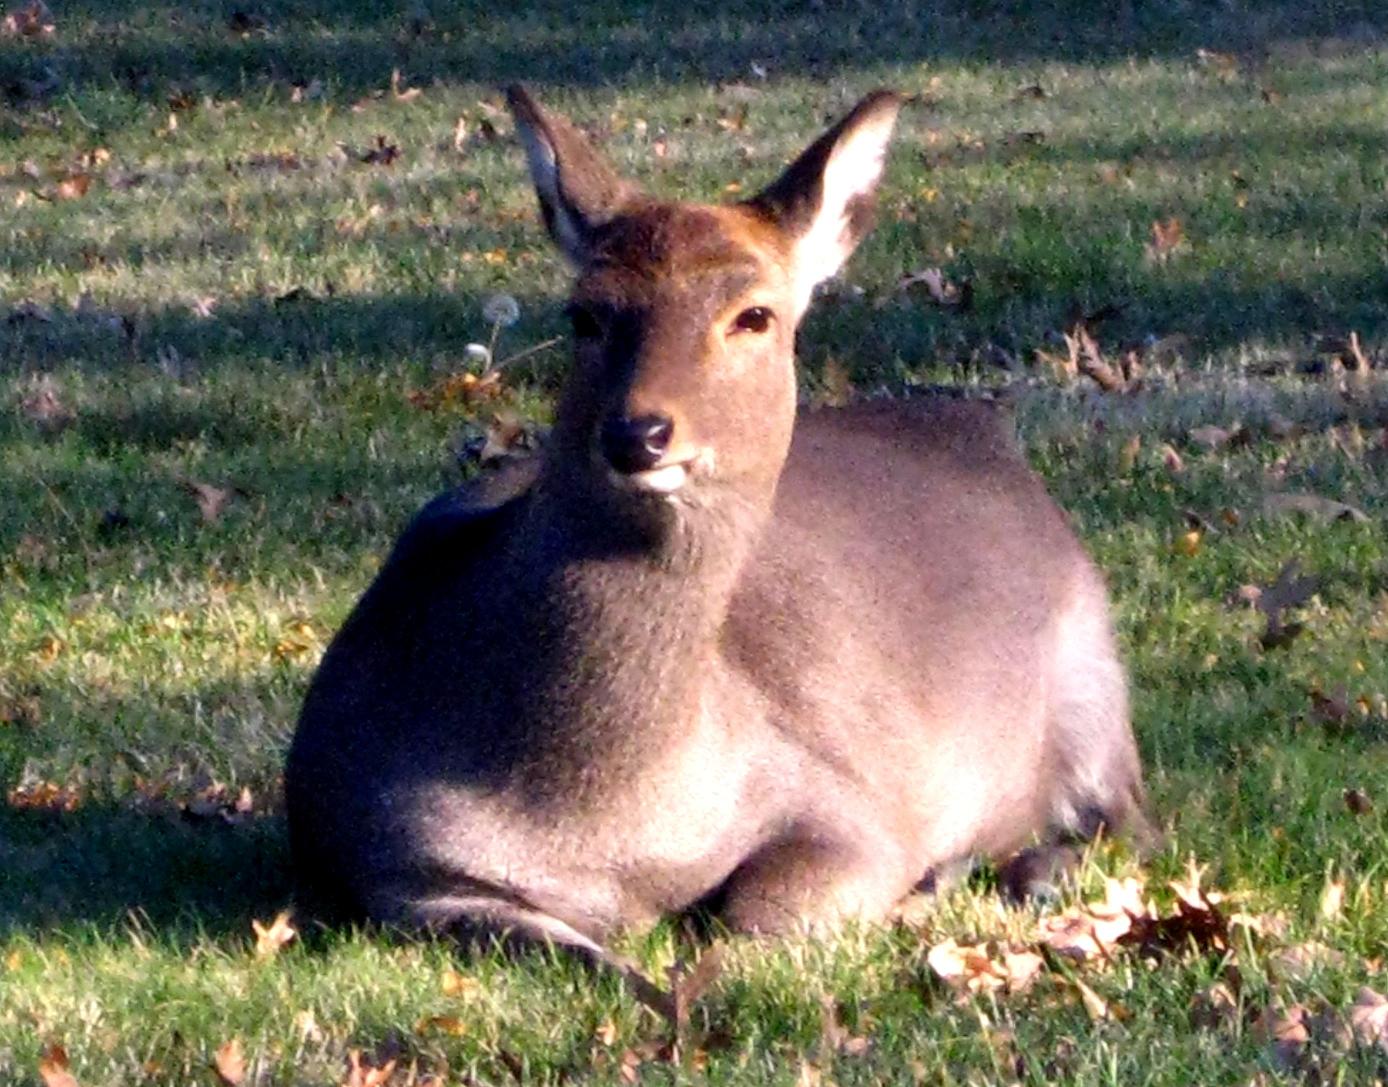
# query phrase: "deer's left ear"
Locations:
[[824, 200]]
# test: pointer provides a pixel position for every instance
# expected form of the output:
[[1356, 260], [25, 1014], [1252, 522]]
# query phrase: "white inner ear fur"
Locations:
[[544, 173], [853, 170]]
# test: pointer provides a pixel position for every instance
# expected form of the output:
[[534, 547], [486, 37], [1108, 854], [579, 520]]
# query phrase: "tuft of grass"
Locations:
[[239, 299]]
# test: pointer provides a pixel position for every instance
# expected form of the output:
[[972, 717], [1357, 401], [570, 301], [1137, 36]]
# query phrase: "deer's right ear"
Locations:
[[578, 190]]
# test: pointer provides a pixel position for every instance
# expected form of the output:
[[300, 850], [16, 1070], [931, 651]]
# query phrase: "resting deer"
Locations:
[[699, 650]]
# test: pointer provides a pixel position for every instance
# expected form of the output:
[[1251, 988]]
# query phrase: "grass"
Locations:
[[237, 299]]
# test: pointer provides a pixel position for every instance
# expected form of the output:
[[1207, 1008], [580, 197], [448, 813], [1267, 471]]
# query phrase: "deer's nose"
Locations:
[[636, 444]]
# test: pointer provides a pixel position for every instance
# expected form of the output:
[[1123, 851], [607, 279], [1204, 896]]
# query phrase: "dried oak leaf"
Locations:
[[1313, 505], [1087, 358], [53, 1067], [1092, 930], [1368, 1019], [269, 939], [974, 969], [212, 501], [1167, 237], [360, 1073], [43, 406], [1300, 961], [941, 291], [1288, 1033], [384, 153], [30, 20], [1214, 437], [229, 1062]]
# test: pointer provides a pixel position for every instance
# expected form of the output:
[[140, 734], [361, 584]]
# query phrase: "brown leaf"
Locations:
[[384, 153], [1167, 236], [407, 94], [1300, 961], [1214, 437], [72, 187], [1368, 1019], [269, 939], [230, 1063], [53, 1067], [1095, 1006], [1214, 1008], [1033, 91], [43, 406], [1314, 506], [363, 1074], [1172, 460], [441, 1024], [1357, 801], [1087, 358], [30, 20], [1332, 899], [1092, 930], [211, 500], [1288, 1033], [938, 289]]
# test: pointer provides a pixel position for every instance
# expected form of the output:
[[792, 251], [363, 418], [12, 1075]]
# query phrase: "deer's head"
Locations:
[[684, 315]]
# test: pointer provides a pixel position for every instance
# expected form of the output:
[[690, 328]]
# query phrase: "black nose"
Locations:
[[636, 445]]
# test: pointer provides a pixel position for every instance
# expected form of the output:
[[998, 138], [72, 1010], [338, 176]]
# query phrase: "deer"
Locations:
[[706, 649]]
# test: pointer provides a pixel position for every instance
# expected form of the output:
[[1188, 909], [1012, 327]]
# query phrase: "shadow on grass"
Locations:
[[233, 49], [106, 865]]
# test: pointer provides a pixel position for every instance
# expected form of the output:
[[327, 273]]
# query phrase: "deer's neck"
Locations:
[[626, 604]]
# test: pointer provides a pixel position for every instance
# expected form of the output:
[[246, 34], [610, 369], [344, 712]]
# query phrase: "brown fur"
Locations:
[[849, 651]]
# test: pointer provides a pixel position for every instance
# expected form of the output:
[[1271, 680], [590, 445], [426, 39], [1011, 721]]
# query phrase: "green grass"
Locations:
[[145, 653]]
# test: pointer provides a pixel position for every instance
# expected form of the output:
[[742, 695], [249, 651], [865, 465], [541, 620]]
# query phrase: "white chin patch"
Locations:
[[665, 480]]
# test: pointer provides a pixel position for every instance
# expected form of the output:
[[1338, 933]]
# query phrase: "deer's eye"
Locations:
[[755, 320], [585, 323]]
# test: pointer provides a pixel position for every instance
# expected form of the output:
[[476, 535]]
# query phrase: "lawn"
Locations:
[[242, 252]]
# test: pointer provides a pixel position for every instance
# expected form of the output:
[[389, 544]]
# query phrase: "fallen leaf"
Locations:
[[407, 94], [1188, 543], [44, 407], [1214, 1008], [53, 1067], [30, 20], [1357, 801], [1172, 460], [44, 796], [269, 939], [1032, 91], [1332, 899], [1088, 359], [230, 1063], [1288, 1033], [1167, 237], [384, 153], [1368, 1019], [453, 983], [362, 1074], [941, 291], [1300, 961], [1094, 1005], [1313, 505], [1214, 437], [212, 501], [441, 1024], [72, 187]]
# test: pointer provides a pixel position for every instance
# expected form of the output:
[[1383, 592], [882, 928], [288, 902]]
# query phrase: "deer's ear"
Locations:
[[578, 190], [824, 200]]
